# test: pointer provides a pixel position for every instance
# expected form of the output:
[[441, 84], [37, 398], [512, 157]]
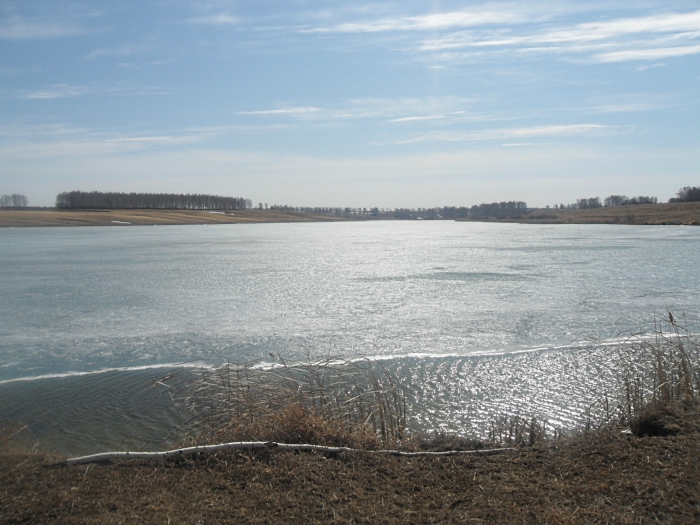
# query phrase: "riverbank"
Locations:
[[682, 213], [679, 213], [600, 477], [55, 217]]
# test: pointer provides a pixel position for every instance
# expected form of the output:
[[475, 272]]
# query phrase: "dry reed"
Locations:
[[662, 368], [327, 402], [17, 439]]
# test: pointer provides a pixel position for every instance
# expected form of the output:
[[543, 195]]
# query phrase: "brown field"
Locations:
[[599, 477], [669, 214], [54, 217]]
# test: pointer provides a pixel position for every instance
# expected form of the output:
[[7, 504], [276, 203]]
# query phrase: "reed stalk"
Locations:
[[332, 401]]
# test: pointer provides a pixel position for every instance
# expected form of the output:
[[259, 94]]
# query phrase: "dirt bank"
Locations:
[[602, 477]]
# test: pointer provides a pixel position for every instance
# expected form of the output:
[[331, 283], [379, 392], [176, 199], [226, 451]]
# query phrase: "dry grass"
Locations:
[[601, 477]]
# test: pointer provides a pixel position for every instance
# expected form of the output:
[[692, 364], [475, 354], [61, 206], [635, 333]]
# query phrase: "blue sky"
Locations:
[[342, 103]]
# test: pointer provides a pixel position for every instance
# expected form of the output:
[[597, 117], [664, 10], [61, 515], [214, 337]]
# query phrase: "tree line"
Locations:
[[686, 194], [494, 209], [13, 201], [144, 201]]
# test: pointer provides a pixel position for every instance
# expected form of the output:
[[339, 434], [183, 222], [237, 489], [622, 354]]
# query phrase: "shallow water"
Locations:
[[479, 318]]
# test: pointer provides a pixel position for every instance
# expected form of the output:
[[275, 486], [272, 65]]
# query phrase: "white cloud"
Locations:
[[632, 38], [431, 22]]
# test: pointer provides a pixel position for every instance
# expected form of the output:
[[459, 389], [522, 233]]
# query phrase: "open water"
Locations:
[[478, 319]]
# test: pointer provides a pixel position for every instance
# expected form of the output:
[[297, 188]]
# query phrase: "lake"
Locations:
[[479, 319]]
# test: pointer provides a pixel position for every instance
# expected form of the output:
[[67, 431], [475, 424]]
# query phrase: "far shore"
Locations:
[[681, 213], [677, 213]]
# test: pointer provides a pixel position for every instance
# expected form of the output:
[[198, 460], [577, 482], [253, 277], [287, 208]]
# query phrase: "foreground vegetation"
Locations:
[[638, 465]]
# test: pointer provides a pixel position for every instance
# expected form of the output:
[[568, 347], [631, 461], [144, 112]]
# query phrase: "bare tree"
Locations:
[[13, 201], [614, 200]]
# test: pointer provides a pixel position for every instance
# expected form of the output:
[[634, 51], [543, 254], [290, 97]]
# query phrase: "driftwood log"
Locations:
[[107, 456]]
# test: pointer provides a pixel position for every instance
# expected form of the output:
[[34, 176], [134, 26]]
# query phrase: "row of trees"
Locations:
[[686, 194], [159, 201], [498, 209], [623, 200], [585, 204], [494, 209], [612, 200], [13, 201]]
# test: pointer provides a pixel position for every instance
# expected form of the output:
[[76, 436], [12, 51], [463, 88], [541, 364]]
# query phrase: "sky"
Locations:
[[345, 103]]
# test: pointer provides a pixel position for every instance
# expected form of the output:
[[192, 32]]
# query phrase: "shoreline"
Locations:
[[603, 476], [673, 214]]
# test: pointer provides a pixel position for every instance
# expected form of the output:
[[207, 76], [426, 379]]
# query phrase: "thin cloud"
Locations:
[[67, 91], [17, 28], [56, 91], [427, 117], [648, 54], [284, 111], [418, 119], [163, 139], [523, 144], [558, 130], [394, 110], [119, 51], [221, 19]]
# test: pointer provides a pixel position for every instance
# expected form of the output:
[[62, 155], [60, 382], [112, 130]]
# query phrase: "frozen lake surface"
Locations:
[[478, 318]]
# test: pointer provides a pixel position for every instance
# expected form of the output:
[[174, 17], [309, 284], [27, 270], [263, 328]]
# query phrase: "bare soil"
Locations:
[[53, 217], [600, 477]]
